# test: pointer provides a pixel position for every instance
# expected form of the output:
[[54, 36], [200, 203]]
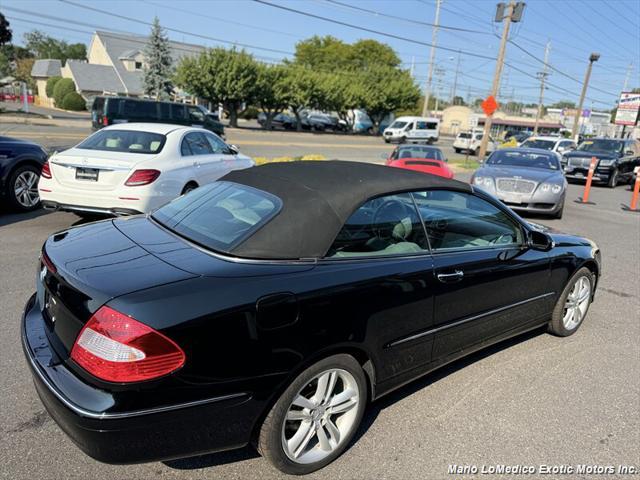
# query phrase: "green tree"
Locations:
[[303, 89], [43, 46], [271, 92], [385, 90], [158, 63], [330, 54], [51, 83], [339, 93], [62, 87], [563, 104], [5, 31], [22, 71], [220, 76]]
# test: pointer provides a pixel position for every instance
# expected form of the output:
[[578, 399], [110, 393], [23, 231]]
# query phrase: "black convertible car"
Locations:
[[271, 306], [20, 165]]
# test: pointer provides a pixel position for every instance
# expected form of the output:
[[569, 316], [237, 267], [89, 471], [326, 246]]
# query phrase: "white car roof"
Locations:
[[551, 139], [410, 119], [161, 128]]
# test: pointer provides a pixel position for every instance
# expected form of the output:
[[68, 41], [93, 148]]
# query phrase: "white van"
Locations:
[[413, 130], [470, 142]]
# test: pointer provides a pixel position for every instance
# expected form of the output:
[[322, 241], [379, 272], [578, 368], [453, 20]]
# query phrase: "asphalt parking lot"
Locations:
[[533, 400]]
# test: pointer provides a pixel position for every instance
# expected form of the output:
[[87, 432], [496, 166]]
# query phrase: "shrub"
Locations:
[[51, 83], [62, 87], [73, 101]]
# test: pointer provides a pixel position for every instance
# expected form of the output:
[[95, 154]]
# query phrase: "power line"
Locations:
[[557, 70], [183, 32], [369, 30], [404, 19]]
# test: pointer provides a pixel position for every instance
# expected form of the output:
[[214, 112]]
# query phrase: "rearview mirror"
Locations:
[[540, 241]]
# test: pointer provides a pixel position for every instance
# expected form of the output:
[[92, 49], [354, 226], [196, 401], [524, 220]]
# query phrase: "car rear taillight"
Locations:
[[46, 170], [142, 177], [117, 348], [105, 121]]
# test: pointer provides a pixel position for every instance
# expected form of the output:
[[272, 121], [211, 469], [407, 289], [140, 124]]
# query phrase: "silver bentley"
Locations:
[[525, 179]]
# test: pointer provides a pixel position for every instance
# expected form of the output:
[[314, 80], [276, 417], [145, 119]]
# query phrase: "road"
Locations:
[[533, 400], [254, 142]]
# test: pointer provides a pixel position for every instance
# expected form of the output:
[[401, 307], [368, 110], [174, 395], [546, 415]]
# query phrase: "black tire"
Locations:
[[457, 150], [270, 440], [613, 179], [189, 187], [402, 140], [22, 204], [558, 214], [556, 325]]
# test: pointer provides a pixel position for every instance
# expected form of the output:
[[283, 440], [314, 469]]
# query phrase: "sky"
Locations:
[[573, 28]]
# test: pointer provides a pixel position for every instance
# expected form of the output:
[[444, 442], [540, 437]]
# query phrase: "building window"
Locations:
[[138, 65]]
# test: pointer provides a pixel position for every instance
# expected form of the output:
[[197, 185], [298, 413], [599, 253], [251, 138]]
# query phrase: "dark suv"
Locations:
[[109, 110], [616, 160]]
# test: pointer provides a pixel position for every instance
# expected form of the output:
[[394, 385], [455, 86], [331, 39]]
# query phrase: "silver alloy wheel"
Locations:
[[322, 414], [25, 189], [577, 303]]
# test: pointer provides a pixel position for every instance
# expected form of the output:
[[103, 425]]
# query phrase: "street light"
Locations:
[[574, 131]]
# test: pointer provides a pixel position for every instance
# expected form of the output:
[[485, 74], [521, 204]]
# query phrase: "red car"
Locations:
[[422, 158]]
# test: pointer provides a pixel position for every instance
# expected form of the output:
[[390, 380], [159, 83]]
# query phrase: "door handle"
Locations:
[[451, 277]]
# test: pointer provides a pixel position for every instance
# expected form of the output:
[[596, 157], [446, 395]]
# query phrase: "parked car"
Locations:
[[272, 306], [517, 136], [470, 142], [527, 180], [20, 165], [134, 168], [421, 158], [107, 111], [281, 120], [413, 130], [553, 144], [616, 160]]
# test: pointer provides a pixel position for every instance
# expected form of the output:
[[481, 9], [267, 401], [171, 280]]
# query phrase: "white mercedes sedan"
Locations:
[[133, 168]]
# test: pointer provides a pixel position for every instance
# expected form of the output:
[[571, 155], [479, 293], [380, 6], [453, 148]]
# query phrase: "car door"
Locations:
[[488, 281], [203, 160], [379, 282], [224, 161], [630, 159]]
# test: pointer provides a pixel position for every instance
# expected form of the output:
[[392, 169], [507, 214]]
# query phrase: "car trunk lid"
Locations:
[[83, 268], [94, 170]]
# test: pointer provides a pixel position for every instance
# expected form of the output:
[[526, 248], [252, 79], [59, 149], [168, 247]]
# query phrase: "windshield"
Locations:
[[604, 146], [124, 141], [513, 158], [398, 124], [464, 135], [220, 215], [416, 151], [537, 143]]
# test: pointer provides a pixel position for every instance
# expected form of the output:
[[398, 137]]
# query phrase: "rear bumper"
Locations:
[[114, 211], [87, 414]]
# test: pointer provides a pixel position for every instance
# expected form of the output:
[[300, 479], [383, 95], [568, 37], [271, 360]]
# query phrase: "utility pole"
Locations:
[[434, 38], [455, 81], [543, 76], [413, 62], [626, 78], [507, 14], [576, 119]]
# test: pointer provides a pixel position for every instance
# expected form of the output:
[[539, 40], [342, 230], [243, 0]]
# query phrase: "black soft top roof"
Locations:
[[317, 199]]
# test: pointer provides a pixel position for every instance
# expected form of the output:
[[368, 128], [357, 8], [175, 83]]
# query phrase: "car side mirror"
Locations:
[[540, 241], [233, 149]]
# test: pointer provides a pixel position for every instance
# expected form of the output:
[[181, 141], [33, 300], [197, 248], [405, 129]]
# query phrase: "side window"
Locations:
[[421, 125], [383, 226], [409, 126], [197, 144], [195, 114], [184, 148], [217, 145], [457, 220], [165, 114], [178, 112]]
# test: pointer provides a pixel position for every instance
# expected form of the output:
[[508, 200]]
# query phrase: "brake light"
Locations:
[[142, 177], [46, 170], [118, 348], [46, 261], [105, 121]]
